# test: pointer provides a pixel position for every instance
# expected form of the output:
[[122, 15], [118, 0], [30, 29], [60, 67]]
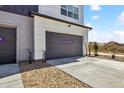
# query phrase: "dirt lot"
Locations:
[[109, 57], [43, 75], [117, 58]]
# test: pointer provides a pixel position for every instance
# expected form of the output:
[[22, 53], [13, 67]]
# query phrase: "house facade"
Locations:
[[47, 31]]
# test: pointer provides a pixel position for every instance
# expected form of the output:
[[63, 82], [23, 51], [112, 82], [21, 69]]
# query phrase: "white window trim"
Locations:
[[71, 11]]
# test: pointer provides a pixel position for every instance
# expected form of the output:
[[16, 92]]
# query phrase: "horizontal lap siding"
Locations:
[[19, 9]]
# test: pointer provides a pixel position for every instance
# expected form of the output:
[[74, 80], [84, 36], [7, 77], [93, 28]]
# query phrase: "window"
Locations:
[[68, 41], [70, 14], [63, 12], [70, 11], [75, 16], [70, 7], [75, 10], [64, 41]]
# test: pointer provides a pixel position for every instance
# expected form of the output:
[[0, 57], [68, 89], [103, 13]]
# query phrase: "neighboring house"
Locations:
[[58, 30]]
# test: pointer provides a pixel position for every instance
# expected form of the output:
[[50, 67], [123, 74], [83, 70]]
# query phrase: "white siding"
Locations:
[[55, 11], [41, 25], [24, 30]]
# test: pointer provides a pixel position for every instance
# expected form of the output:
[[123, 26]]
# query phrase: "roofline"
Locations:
[[57, 19]]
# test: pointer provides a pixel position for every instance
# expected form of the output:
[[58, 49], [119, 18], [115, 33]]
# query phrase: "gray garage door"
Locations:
[[62, 45], [7, 45]]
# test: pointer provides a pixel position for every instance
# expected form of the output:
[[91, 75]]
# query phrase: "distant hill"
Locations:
[[110, 47], [113, 47]]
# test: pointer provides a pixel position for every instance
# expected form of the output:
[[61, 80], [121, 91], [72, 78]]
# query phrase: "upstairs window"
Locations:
[[70, 8], [75, 10], [70, 14], [64, 12], [70, 11]]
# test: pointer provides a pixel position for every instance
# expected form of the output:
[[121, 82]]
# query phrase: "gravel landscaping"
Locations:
[[43, 75]]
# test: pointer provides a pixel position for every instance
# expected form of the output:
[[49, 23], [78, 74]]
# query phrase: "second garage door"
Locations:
[[7, 45], [62, 45]]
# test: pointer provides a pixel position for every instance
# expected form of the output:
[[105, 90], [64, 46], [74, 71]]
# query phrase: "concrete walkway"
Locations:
[[10, 76], [95, 72]]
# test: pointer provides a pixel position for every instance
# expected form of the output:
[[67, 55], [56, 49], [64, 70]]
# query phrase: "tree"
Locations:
[[95, 47], [89, 48]]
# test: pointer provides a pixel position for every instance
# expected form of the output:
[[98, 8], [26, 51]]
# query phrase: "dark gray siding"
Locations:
[[62, 45], [19, 9]]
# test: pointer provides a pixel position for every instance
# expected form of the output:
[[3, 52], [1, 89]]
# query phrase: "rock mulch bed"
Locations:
[[43, 75]]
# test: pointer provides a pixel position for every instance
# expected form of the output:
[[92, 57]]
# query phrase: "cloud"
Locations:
[[88, 24], [119, 33], [96, 35], [118, 36], [121, 18], [95, 8], [106, 36], [95, 17]]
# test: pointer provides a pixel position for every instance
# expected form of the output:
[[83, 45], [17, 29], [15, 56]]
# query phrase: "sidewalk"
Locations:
[[10, 76], [13, 81]]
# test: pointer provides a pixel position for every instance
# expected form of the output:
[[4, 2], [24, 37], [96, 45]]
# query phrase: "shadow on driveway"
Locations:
[[8, 70], [63, 61]]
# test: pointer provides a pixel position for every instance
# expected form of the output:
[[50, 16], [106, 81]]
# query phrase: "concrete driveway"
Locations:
[[95, 72], [10, 76]]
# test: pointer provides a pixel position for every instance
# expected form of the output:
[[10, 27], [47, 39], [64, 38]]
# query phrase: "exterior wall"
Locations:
[[31, 31], [85, 43], [41, 25], [24, 28], [19, 9], [55, 11]]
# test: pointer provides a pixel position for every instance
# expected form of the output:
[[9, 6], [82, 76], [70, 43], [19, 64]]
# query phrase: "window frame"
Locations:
[[71, 10], [64, 10]]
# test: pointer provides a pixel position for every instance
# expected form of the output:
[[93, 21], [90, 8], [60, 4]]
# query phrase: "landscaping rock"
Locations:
[[44, 75]]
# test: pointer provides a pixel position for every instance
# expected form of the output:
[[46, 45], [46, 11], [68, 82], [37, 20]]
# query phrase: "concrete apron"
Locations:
[[10, 76], [98, 73]]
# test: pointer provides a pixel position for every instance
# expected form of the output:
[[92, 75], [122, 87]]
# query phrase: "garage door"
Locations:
[[62, 45], [7, 45]]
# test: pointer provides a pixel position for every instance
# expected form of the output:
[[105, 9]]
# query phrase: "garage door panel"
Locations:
[[5, 61], [6, 53], [62, 45], [7, 45]]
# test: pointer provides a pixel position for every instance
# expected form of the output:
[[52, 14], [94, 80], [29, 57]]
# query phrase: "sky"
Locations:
[[107, 22]]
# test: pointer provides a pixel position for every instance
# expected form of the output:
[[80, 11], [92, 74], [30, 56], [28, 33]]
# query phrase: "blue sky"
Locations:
[[107, 22]]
